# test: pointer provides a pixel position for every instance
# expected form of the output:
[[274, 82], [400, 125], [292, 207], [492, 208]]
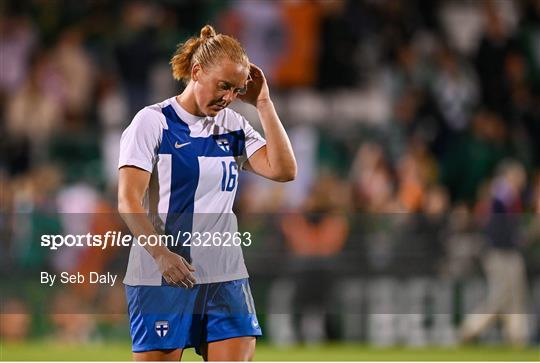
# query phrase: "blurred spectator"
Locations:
[[305, 142], [433, 225], [503, 262], [405, 70], [416, 170], [338, 66], [462, 244], [494, 46], [17, 40], [103, 220], [529, 114], [532, 233], [76, 205], [314, 236], [43, 90], [318, 230], [456, 90], [77, 72], [372, 181], [136, 51], [462, 24], [112, 113], [529, 34], [34, 215], [472, 158]]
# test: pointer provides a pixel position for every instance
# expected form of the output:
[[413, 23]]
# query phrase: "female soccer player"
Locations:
[[179, 163]]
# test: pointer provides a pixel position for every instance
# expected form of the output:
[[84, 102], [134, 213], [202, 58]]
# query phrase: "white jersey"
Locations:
[[194, 163]]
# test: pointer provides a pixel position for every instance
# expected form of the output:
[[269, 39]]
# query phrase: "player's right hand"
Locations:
[[175, 269]]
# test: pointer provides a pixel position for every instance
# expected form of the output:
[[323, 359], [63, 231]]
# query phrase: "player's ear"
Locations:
[[195, 71]]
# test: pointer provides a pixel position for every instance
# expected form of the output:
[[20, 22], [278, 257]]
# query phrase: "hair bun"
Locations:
[[207, 32]]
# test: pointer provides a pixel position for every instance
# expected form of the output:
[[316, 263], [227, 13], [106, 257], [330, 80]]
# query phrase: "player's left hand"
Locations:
[[257, 87]]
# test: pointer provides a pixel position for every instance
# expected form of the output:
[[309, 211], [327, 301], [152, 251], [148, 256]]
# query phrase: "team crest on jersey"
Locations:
[[162, 327], [223, 144]]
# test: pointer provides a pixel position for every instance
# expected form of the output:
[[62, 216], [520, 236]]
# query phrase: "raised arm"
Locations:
[[276, 160], [132, 185]]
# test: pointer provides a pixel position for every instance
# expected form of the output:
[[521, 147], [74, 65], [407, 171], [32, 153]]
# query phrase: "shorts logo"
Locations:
[[254, 322], [223, 144], [162, 327]]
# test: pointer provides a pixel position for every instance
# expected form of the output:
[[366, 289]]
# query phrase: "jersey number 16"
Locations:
[[228, 182]]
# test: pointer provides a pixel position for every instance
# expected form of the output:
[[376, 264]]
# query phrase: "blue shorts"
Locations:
[[166, 317]]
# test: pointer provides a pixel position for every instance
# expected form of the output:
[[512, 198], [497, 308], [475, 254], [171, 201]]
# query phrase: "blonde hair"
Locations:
[[206, 50]]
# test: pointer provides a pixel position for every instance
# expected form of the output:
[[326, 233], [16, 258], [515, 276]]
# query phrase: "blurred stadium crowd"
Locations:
[[414, 123]]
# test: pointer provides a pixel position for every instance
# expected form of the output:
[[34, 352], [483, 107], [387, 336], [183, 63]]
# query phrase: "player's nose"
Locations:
[[229, 97]]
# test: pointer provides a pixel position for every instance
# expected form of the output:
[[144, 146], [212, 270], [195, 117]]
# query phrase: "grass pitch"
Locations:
[[47, 351]]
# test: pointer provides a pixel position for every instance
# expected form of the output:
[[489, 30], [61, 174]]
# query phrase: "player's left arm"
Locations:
[[275, 160]]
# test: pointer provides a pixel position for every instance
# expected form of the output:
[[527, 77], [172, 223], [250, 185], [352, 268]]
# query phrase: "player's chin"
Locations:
[[214, 110]]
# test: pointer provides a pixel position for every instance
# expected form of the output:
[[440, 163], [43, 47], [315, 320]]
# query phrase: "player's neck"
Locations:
[[187, 100]]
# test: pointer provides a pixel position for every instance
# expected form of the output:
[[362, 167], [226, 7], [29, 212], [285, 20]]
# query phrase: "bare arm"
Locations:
[[276, 160], [132, 184]]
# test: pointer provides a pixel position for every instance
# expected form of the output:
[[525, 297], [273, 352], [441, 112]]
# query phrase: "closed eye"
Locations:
[[225, 86]]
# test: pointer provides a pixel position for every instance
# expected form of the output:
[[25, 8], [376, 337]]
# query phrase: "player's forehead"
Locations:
[[235, 74]]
